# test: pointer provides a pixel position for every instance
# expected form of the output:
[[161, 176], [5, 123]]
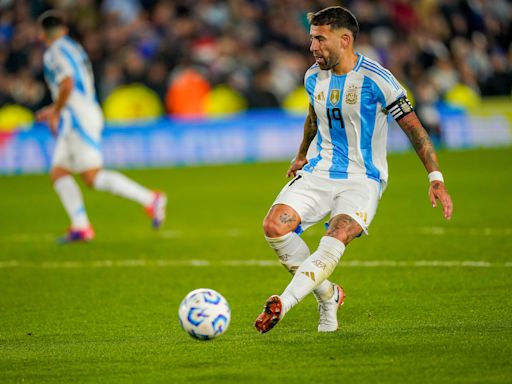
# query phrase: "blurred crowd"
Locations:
[[260, 48]]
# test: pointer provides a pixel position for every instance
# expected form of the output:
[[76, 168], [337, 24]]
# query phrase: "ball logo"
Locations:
[[210, 297], [196, 316], [204, 314], [219, 324]]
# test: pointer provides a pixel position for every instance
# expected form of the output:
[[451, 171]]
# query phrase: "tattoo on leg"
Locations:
[[341, 223], [344, 228], [285, 218]]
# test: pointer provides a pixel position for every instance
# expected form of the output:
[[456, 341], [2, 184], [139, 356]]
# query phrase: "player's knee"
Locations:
[[345, 236], [344, 228], [88, 179], [273, 228], [56, 174], [54, 177]]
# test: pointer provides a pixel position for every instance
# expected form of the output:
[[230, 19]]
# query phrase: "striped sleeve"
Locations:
[[60, 64], [310, 81], [387, 83]]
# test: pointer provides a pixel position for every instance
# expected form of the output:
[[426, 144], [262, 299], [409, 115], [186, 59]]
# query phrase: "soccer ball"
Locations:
[[204, 314]]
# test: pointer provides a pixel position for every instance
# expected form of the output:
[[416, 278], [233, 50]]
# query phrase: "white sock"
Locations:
[[292, 251], [313, 271], [118, 184], [72, 200]]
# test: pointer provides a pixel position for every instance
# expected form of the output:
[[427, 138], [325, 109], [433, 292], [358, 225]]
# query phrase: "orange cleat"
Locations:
[[156, 211], [271, 315], [77, 235]]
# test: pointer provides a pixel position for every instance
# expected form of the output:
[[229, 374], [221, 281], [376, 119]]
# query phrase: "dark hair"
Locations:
[[336, 17], [51, 19]]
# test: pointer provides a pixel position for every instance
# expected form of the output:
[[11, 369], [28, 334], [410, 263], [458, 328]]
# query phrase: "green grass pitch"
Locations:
[[428, 301]]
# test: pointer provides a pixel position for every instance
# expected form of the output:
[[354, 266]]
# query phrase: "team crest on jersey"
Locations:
[[334, 96], [351, 95]]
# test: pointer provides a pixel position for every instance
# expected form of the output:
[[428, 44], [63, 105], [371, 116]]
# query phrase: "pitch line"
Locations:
[[458, 231], [144, 263], [239, 232]]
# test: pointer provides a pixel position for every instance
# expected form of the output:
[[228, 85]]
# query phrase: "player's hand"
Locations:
[[296, 165], [50, 115], [437, 191]]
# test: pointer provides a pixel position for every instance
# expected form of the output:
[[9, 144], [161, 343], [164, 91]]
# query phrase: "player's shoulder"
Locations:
[[51, 53], [366, 62], [313, 70], [64, 44], [376, 72], [55, 48]]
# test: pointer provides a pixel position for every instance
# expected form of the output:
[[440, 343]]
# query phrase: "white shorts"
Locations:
[[314, 197], [78, 146]]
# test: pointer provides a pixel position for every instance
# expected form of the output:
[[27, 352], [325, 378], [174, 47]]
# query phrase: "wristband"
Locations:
[[435, 176]]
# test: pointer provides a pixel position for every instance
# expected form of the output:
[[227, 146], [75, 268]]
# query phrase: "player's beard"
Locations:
[[327, 64]]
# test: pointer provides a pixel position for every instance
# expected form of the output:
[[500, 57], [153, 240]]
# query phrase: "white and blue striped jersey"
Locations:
[[63, 58], [352, 121]]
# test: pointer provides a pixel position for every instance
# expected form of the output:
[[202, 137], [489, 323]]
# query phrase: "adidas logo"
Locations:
[[320, 97], [362, 215], [311, 275]]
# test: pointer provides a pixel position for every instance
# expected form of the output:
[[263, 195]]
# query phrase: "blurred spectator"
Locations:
[[25, 90], [112, 76], [499, 82], [126, 11], [443, 74], [258, 48], [157, 78], [260, 94], [427, 97]]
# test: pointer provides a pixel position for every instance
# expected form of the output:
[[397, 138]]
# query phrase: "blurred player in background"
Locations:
[[75, 118], [341, 166]]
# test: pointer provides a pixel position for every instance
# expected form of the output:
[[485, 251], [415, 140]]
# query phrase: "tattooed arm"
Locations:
[[420, 140], [310, 129]]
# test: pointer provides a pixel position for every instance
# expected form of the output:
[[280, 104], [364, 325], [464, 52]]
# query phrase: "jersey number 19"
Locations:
[[335, 114]]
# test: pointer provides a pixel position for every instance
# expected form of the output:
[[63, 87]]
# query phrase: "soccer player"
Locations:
[[75, 118], [340, 168]]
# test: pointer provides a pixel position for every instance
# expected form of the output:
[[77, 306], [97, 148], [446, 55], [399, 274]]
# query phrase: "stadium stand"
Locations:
[[260, 47]]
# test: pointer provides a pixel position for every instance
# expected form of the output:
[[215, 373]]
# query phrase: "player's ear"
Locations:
[[345, 39]]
